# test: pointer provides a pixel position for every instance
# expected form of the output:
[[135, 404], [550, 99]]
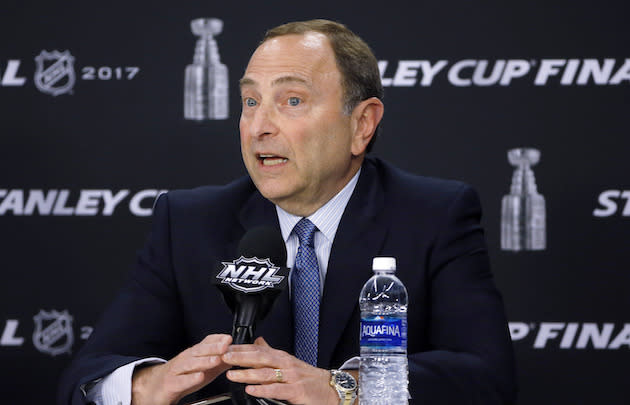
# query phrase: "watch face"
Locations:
[[345, 381]]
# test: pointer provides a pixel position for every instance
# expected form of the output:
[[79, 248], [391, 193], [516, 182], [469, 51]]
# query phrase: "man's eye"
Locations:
[[294, 101], [250, 102]]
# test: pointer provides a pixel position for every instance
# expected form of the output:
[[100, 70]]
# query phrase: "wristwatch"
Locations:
[[346, 386]]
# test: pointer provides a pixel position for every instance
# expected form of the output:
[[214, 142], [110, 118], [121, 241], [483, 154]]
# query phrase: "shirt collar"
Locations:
[[326, 218]]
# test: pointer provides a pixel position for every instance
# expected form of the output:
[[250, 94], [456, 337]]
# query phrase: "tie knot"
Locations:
[[305, 231]]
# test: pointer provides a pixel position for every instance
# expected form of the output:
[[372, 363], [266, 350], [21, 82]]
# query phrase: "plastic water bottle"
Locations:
[[383, 375]]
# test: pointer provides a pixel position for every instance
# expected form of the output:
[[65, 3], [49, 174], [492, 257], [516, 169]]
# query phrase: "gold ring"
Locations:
[[278, 375]]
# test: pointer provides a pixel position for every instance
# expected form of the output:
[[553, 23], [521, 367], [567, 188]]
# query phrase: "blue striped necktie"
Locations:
[[305, 293]]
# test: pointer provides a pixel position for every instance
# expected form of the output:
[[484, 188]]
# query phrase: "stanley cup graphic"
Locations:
[[206, 87], [523, 210]]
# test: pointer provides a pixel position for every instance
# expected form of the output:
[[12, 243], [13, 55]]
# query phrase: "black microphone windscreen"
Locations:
[[264, 242]]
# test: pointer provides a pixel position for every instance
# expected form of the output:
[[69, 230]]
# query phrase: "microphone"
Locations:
[[251, 283]]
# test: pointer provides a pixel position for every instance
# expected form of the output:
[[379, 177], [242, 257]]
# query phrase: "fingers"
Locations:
[[276, 390], [255, 359], [217, 338], [261, 375], [258, 355], [201, 357], [212, 345], [194, 364]]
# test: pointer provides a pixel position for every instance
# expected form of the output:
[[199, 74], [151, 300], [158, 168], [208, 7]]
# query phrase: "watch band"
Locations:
[[346, 396]]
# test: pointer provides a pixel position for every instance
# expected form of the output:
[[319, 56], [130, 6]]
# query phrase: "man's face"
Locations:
[[295, 139]]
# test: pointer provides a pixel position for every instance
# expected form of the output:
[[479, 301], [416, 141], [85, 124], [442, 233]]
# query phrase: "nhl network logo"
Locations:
[[250, 274], [523, 210], [206, 87], [54, 73], [53, 332]]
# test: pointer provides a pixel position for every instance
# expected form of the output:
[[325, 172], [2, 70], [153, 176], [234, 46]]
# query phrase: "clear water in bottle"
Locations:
[[383, 375]]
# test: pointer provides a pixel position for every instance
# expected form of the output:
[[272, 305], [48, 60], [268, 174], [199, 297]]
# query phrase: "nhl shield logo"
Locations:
[[53, 332], [250, 274], [55, 72]]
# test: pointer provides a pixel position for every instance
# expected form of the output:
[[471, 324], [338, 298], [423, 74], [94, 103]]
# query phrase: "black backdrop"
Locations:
[[118, 131]]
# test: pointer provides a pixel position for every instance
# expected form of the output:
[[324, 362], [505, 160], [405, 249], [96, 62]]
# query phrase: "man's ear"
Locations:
[[365, 118]]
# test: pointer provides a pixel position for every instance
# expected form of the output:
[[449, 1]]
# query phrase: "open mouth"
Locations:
[[271, 160]]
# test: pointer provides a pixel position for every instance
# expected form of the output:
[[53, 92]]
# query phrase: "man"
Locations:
[[311, 105]]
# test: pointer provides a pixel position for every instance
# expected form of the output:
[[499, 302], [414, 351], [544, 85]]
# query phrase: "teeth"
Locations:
[[273, 162]]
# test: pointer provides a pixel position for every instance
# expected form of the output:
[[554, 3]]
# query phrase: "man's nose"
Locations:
[[264, 121]]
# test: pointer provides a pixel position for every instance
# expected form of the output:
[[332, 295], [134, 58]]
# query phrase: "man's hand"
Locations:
[[296, 381], [195, 367]]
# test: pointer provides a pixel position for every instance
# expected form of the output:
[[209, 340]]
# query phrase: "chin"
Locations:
[[270, 192]]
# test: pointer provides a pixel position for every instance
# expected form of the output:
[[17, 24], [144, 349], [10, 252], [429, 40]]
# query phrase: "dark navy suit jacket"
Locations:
[[458, 342]]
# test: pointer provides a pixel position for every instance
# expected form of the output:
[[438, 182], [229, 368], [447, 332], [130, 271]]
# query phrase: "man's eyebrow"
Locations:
[[246, 81], [289, 79]]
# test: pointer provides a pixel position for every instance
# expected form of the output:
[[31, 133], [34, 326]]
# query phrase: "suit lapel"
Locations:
[[359, 237], [277, 327]]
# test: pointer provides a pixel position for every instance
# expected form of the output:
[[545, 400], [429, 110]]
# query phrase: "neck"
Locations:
[[307, 207]]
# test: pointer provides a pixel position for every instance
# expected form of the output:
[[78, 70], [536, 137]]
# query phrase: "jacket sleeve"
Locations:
[[143, 321]]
